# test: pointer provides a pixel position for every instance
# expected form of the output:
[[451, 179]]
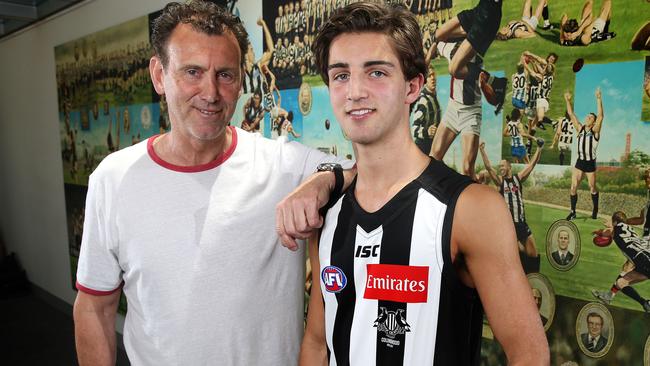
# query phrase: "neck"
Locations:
[[177, 149], [385, 167]]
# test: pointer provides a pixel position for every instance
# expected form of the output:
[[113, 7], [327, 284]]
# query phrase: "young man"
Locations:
[[426, 114], [408, 249], [184, 224], [588, 137], [543, 70], [637, 267], [511, 188]]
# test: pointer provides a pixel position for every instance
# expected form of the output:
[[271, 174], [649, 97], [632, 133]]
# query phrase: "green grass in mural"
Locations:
[[627, 17], [645, 109], [597, 267]]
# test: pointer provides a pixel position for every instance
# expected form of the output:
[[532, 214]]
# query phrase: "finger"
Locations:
[[299, 215], [314, 219], [286, 240]]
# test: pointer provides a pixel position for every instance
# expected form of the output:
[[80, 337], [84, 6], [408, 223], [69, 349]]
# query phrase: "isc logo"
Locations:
[[365, 251], [333, 278]]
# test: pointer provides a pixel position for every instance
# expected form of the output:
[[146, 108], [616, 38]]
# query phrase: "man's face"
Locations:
[[551, 59], [257, 100], [368, 93], [201, 82], [595, 325], [431, 81], [563, 240], [280, 10], [504, 167], [538, 298]]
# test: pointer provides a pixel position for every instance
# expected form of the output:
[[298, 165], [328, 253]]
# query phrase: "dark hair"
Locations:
[[520, 68], [595, 314], [395, 21], [515, 115], [570, 26], [619, 216], [554, 55], [204, 17]]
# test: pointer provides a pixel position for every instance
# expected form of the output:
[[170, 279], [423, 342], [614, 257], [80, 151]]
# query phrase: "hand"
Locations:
[[598, 93], [297, 216], [552, 146], [432, 130], [482, 146], [260, 21], [567, 96]]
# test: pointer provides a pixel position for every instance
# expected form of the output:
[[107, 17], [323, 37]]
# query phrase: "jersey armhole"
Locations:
[[449, 270]]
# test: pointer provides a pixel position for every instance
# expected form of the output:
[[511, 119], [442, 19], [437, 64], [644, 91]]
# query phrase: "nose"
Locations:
[[356, 87], [210, 89]]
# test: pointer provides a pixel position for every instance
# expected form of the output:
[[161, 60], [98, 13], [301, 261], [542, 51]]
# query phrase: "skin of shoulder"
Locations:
[[492, 266]]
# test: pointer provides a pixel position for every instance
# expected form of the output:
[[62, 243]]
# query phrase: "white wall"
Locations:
[[32, 203]]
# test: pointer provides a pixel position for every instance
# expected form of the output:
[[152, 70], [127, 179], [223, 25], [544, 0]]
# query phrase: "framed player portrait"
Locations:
[[594, 330], [563, 245], [304, 99], [544, 296]]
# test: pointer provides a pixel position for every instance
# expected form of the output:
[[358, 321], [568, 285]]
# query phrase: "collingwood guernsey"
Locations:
[[391, 292]]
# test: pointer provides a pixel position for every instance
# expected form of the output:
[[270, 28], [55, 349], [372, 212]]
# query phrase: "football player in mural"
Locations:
[[637, 267], [474, 30], [526, 27], [563, 136], [515, 130], [511, 188], [543, 71], [426, 114], [588, 29], [370, 58], [253, 112], [519, 86], [588, 137]]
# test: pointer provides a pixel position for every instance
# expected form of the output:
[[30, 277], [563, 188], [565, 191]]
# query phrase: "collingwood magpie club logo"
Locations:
[[391, 323]]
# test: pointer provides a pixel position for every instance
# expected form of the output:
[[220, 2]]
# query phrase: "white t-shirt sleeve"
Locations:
[[98, 270], [313, 157]]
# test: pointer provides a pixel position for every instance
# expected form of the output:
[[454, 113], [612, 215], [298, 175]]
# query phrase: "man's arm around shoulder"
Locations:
[[94, 320], [484, 235]]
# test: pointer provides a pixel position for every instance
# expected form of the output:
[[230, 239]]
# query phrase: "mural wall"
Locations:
[[580, 55]]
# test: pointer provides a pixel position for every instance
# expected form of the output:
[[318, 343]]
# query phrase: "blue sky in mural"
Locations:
[[622, 108]]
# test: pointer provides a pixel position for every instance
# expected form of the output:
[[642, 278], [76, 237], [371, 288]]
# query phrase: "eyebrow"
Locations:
[[339, 65]]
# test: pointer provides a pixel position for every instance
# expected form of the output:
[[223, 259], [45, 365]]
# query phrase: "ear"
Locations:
[[413, 89], [156, 71]]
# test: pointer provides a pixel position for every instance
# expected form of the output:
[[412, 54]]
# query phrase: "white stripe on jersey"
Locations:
[[515, 137], [545, 86], [324, 248], [587, 144], [365, 310], [428, 210], [566, 131]]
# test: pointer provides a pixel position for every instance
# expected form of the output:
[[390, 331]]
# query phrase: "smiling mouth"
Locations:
[[360, 112], [206, 112]]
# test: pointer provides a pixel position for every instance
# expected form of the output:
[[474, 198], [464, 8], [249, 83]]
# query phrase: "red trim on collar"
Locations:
[[220, 159]]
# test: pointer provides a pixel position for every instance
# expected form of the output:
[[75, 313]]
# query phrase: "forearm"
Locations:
[[312, 352], [95, 338]]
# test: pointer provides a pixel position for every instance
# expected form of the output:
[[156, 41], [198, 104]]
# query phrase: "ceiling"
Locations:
[[18, 14]]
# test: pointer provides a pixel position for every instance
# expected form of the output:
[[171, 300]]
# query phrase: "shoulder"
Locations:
[[443, 182], [121, 160]]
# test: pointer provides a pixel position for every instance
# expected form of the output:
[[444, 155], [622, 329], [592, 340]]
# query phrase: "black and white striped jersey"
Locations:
[[545, 86], [512, 192], [533, 93], [390, 290], [633, 247], [566, 131], [587, 144]]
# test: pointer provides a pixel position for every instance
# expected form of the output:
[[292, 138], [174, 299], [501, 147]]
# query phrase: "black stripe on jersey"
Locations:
[[454, 295], [346, 299], [395, 249]]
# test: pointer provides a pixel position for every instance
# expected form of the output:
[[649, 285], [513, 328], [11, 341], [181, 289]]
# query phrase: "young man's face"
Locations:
[[201, 81], [368, 92]]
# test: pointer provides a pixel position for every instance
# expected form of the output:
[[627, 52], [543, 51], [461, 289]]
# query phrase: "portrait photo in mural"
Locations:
[[562, 133]]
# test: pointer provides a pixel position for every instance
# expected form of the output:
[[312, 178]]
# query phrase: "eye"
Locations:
[[377, 74], [226, 77], [341, 77], [192, 72]]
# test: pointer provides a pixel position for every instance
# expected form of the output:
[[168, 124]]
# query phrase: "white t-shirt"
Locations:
[[206, 278]]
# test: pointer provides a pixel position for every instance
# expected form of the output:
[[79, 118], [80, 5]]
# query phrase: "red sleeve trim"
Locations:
[[90, 291]]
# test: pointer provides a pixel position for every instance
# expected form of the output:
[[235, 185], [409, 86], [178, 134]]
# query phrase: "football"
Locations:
[[577, 65], [602, 241], [488, 92]]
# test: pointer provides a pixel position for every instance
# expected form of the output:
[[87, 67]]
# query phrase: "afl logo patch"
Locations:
[[333, 279]]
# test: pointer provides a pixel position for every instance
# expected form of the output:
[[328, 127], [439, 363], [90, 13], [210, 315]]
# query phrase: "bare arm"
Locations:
[[314, 350], [297, 216], [523, 132], [493, 266], [569, 109], [532, 72], [94, 320], [556, 136], [506, 133], [601, 114], [495, 178], [531, 165]]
